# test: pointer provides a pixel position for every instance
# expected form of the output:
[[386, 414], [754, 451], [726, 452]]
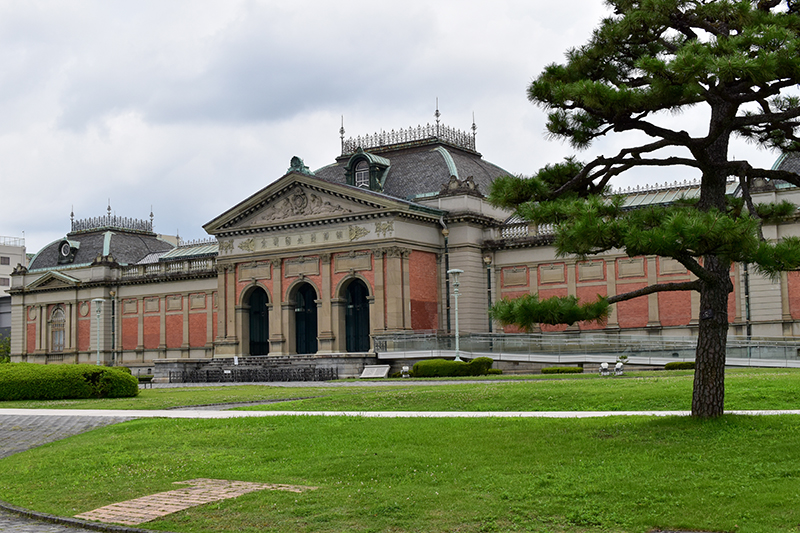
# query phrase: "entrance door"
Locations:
[[305, 319], [259, 322], [357, 317]]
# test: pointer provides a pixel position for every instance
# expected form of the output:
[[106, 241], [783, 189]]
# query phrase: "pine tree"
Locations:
[[740, 61]]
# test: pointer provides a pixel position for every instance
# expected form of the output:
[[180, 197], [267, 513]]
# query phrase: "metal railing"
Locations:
[[583, 347], [12, 241], [254, 375]]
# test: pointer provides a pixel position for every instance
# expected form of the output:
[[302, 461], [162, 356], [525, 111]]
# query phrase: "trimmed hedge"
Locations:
[[680, 365], [562, 370], [440, 368], [29, 381]]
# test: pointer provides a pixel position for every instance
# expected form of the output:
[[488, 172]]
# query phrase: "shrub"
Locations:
[[680, 365], [5, 349], [562, 370], [494, 371], [433, 368], [28, 381]]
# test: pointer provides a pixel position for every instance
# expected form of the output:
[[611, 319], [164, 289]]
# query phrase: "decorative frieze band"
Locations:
[[255, 270], [515, 276], [552, 273], [305, 266], [352, 261]]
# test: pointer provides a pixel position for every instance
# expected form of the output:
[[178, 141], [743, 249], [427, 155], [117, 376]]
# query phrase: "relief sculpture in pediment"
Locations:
[[298, 204]]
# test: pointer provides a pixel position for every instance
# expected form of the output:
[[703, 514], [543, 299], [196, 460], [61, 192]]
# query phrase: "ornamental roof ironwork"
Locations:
[[429, 132], [111, 222]]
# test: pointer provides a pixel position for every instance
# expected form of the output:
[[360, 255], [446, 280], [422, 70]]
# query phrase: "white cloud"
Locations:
[[192, 105]]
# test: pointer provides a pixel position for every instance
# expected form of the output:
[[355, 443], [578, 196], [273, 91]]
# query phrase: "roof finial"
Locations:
[[437, 115], [109, 207], [72, 213], [151, 217], [341, 133], [474, 129]]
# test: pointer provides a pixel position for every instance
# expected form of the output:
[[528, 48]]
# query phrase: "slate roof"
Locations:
[[124, 247], [416, 170], [790, 162]]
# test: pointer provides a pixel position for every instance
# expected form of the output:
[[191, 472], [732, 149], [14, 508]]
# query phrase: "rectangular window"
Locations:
[[5, 260], [5, 282]]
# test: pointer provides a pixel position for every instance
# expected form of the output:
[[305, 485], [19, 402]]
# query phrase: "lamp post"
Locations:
[[487, 260], [454, 273], [98, 308]]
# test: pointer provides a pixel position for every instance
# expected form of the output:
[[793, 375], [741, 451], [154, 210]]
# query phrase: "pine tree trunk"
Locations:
[[709, 375]]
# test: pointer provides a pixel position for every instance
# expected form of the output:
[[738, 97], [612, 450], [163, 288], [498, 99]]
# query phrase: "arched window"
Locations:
[[57, 321], [362, 175]]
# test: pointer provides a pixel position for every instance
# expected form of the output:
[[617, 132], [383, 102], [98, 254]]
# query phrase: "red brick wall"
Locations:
[[588, 294], [84, 333], [794, 293], [632, 313], [424, 289], [174, 330], [152, 331], [197, 329], [674, 308], [130, 333], [30, 341]]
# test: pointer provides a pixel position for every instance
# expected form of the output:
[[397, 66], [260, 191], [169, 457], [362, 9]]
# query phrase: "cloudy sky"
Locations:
[[191, 106]]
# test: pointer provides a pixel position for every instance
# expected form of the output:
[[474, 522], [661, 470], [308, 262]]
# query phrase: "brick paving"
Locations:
[[199, 492]]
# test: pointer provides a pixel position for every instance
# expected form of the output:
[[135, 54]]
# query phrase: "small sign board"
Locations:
[[375, 371]]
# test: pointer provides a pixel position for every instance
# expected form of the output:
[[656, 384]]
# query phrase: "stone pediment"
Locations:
[[53, 280], [302, 199], [301, 203]]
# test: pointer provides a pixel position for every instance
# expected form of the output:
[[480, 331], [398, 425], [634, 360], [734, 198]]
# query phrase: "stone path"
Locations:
[[198, 492]]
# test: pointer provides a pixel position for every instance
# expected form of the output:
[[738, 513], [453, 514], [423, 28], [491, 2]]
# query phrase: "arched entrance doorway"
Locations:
[[357, 317], [259, 322], [305, 319]]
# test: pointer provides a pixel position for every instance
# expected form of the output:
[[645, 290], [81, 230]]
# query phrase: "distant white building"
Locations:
[[12, 253]]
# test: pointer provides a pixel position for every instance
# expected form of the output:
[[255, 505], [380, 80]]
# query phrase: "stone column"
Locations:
[[41, 329], [140, 324], [394, 289], [162, 323], [277, 325], [325, 335], [611, 290], [572, 287], [209, 319], [406, 290], [786, 312], [186, 301], [222, 298], [653, 318], [230, 303], [377, 314], [69, 310]]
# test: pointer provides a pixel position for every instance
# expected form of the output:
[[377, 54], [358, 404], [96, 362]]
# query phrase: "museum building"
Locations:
[[316, 265]]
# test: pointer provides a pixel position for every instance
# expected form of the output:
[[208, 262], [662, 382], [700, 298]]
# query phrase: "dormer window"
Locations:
[[366, 171], [362, 174]]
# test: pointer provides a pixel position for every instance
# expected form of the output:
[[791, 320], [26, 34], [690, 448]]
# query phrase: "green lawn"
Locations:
[[433, 475], [745, 389], [627, 474]]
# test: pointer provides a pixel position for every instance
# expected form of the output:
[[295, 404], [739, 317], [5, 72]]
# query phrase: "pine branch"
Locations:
[[652, 289]]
